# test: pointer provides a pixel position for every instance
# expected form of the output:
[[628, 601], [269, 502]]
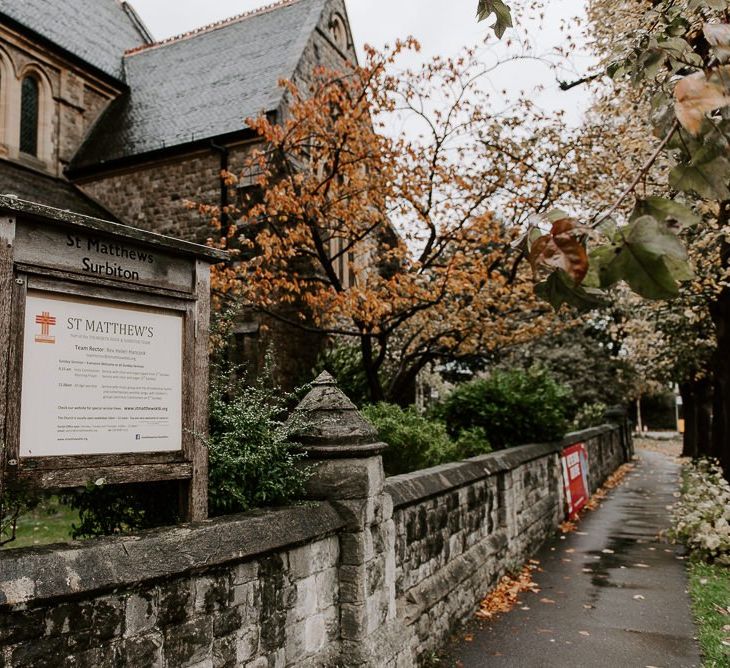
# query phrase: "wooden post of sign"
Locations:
[[7, 240], [197, 502]]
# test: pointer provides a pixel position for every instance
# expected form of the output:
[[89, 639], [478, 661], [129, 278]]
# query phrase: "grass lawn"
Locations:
[[49, 522], [710, 591]]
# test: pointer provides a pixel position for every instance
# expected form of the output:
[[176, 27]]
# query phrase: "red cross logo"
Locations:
[[46, 321]]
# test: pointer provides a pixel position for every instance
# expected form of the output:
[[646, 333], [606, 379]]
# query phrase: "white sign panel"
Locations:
[[99, 378]]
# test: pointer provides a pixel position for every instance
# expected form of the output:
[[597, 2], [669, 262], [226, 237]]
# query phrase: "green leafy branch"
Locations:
[[685, 62]]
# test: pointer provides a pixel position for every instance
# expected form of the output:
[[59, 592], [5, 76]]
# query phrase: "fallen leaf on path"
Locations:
[[638, 597], [587, 606], [546, 600], [506, 594], [469, 637], [584, 633]]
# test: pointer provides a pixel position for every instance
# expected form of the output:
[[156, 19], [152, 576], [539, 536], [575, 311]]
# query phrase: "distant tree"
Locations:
[[584, 358]]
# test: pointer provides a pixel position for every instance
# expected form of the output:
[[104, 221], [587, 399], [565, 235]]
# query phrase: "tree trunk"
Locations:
[[703, 402], [639, 423], [375, 389], [697, 409], [402, 390], [720, 310]]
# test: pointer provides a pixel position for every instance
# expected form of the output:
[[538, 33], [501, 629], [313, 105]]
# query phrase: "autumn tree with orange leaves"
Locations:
[[403, 243]]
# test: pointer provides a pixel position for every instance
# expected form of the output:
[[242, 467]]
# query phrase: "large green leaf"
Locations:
[[646, 274], [654, 237], [676, 215], [645, 254], [503, 13], [708, 179], [598, 258], [559, 289]]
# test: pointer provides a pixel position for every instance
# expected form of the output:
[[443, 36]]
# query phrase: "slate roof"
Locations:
[[31, 185], [97, 31], [203, 84]]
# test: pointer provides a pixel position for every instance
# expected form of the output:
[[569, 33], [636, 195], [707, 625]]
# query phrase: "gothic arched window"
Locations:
[[29, 112]]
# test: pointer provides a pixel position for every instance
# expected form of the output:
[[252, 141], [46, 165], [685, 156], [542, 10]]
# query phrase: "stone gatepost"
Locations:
[[348, 472]]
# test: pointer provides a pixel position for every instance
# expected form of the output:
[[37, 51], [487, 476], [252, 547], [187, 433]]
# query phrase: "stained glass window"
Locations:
[[29, 116]]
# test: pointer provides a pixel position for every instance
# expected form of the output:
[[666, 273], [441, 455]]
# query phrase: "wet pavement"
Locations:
[[613, 593]]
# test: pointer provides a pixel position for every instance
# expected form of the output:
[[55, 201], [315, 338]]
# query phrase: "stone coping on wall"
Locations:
[[73, 569], [414, 487]]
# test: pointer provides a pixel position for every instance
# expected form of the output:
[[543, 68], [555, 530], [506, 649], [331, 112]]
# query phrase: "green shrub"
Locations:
[[472, 442], [512, 407], [107, 510], [415, 441], [589, 415], [253, 461], [702, 515]]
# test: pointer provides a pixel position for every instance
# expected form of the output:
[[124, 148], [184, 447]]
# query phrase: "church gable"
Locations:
[[330, 45], [203, 84]]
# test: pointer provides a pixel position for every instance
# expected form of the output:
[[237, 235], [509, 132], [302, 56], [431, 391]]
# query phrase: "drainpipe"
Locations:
[[223, 151]]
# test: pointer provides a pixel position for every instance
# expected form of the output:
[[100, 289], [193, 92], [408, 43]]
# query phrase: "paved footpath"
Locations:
[[619, 591]]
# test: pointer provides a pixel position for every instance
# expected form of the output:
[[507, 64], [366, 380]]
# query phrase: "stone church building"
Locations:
[[99, 118]]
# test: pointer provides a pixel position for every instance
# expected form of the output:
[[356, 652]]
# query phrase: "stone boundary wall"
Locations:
[[375, 573], [259, 590], [460, 526]]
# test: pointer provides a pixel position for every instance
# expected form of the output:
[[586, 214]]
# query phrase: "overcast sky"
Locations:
[[442, 27]]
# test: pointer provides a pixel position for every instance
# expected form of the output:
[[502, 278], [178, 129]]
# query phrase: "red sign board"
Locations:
[[575, 477]]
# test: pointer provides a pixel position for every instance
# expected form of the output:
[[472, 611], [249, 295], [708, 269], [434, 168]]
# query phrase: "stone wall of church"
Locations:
[[153, 195]]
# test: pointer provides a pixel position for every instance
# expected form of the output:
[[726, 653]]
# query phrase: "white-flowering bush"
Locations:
[[702, 515]]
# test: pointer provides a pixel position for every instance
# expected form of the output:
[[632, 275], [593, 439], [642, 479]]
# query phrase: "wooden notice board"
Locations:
[[104, 344]]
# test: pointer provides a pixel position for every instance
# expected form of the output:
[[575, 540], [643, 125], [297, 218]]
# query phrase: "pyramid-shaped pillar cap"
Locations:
[[332, 425]]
